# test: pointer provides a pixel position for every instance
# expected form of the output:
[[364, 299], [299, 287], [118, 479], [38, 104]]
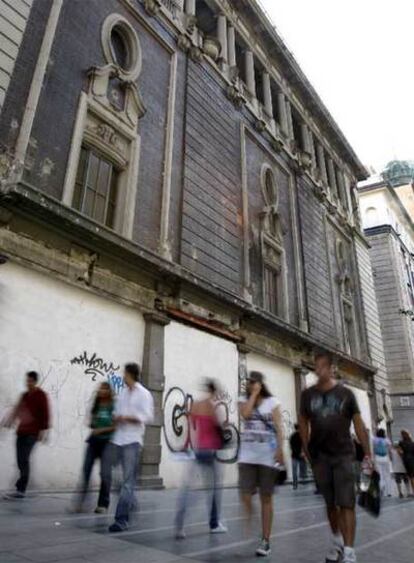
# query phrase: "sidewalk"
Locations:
[[39, 529]]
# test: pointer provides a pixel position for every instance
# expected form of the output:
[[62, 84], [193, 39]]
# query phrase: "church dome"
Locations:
[[399, 173]]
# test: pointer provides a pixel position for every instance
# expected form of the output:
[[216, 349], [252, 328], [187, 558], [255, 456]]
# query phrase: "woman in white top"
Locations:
[[260, 449], [382, 451]]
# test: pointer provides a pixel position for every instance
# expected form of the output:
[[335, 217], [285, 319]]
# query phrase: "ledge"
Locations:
[[25, 200]]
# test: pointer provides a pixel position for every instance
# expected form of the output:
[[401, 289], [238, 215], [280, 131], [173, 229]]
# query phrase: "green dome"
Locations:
[[399, 172]]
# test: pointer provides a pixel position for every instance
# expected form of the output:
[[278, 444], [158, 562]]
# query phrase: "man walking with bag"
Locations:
[[133, 410], [327, 411]]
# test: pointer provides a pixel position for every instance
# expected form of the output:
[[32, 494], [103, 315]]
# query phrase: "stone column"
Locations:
[[332, 178], [281, 104], [341, 189], [300, 385], [322, 163], [305, 137], [312, 149], [222, 36], [153, 378], [190, 7], [289, 120], [250, 78], [231, 46], [267, 93]]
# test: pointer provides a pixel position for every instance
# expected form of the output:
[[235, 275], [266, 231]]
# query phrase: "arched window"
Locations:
[[371, 217]]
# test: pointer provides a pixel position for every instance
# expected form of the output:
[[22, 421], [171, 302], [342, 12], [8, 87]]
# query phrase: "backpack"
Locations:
[[380, 447]]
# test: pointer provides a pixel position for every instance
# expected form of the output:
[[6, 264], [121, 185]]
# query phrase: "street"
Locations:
[[41, 529]]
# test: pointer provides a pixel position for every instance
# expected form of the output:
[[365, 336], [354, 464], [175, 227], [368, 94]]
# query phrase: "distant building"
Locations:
[[387, 210]]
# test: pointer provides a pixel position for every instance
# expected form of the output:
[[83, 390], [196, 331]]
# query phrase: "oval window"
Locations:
[[120, 48]]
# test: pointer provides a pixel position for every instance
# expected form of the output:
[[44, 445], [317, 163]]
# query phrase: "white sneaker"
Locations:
[[219, 529], [100, 510], [334, 554], [349, 555], [180, 534]]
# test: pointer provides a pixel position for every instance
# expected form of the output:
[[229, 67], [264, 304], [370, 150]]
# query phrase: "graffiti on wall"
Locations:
[[179, 429], [96, 367]]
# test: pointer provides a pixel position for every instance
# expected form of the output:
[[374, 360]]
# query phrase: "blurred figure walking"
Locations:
[[299, 466], [102, 425], [32, 415], [134, 409], [326, 413], [260, 451], [407, 449], [382, 451], [206, 442], [399, 471]]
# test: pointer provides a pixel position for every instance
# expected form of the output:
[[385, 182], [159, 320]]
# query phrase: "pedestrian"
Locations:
[[134, 409], [261, 448], [399, 471], [359, 458], [102, 426], [206, 441], [382, 451], [32, 416], [327, 411], [407, 448], [298, 457]]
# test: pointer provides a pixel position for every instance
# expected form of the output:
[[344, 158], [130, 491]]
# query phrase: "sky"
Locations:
[[359, 56]]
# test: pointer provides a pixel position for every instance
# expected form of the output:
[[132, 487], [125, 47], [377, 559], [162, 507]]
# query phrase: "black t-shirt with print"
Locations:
[[330, 415]]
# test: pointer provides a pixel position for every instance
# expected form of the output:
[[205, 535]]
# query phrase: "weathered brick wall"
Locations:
[[211, 221], [316, 265]]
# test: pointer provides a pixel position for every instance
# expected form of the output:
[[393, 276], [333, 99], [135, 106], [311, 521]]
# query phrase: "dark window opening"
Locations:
[[96, 187], [271, 281], [120, 48], [297, 131], [206, 19], [258, 76], [241, 59], [275, 101]]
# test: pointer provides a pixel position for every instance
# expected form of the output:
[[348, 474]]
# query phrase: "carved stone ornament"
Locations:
[[10, 168], [190, 23], [305, 160], [107, 134], [260, 125], [277, 145], [152, 7], [212, 47], [235, 96], [196, 54], [183, 43]]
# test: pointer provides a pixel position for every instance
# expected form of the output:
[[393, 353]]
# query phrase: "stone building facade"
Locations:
[[386, 206], [173, 190]]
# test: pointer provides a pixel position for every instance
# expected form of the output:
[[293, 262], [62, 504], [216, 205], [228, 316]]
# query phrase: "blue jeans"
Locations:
[[206, 463], [128, 456], [298, 468]]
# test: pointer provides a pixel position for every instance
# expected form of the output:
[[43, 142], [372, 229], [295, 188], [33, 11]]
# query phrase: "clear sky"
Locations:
[[359, 56]]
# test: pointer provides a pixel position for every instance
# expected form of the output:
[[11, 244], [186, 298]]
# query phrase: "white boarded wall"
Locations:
[[44, 324], [191, 355]]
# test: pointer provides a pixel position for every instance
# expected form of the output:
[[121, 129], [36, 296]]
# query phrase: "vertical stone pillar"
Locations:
[[289, 120], [231, 46], [250, 78], [312, 149], [222, 36], [267, 93], [305, 137], [243, 371], [332, 178], [300, 385], [153, 379], [322, 163], [190, 7], [342, 189], [281, 104]]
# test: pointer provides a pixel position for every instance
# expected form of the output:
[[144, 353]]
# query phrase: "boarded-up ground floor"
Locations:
[[75, 339]]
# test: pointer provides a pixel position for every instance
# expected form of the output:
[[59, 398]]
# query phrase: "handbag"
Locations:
[[370, 499]]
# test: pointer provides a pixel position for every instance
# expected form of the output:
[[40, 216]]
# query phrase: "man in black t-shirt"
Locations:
[[327, 411]]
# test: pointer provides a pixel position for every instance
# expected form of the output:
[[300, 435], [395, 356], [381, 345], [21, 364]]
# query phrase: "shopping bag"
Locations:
[[370, 497]]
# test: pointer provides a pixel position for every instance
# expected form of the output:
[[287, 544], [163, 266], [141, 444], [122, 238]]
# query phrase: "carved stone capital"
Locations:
[[183, 42], [152, 7], [196, 54], [235, 96], [190, 23], [260, 125]]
